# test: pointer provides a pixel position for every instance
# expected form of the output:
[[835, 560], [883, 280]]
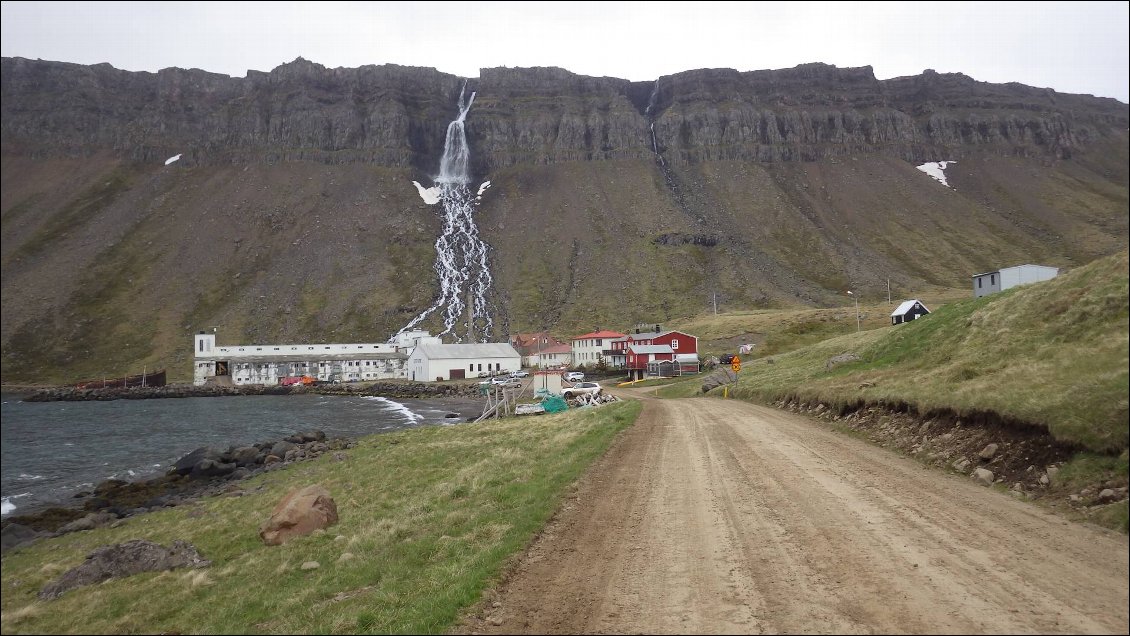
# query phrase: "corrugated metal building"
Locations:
[[1000, 280], [457, 361]]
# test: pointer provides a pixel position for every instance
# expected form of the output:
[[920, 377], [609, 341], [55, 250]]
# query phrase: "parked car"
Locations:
[[302, 379], [485, 374], [519, 374], [503, 380], [574, 376], [726, 358], [580, 388]]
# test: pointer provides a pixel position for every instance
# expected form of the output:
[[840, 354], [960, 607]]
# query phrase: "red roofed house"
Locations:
[[529, 345], [663, 353], [589, 348]]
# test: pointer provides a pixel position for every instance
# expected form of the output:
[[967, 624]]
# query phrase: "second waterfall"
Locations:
[[461, 255]]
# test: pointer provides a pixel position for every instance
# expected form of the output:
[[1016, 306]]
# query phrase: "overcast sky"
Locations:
[[1073, 47]]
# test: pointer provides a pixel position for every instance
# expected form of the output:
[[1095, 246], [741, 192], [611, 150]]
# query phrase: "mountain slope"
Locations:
[[291, 214]]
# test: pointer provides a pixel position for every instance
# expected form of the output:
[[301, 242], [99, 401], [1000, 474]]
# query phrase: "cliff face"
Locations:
[[395, 116], [291, 214], [389, 115]]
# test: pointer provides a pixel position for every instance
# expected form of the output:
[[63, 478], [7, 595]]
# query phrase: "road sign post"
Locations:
[[736, 364]]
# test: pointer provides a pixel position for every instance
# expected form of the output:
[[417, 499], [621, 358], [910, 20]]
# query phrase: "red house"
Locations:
[[662, 353]]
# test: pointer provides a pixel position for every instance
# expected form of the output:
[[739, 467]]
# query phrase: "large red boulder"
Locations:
[[299, 513]]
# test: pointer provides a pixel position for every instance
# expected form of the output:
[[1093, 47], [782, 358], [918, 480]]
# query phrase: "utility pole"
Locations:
[[715, 303], [856, 310], [888, 291]]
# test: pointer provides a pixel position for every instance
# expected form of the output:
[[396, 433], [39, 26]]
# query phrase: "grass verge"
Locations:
[[428, 519]]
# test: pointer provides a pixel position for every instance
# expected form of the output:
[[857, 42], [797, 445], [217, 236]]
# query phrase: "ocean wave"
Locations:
[[26, 477], [6, 505], [411, 416]]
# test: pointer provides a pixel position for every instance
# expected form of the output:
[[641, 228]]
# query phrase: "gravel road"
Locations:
[[719, 516]]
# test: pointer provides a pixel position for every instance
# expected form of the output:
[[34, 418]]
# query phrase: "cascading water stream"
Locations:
[[668, 176], [461, 255], [651, 116]]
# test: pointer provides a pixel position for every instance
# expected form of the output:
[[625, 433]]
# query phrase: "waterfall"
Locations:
[[461, 264], [659, 161], [651, 126], [453, 164], [652, 114]]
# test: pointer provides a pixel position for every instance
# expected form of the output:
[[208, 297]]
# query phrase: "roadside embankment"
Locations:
[[1047, 363]]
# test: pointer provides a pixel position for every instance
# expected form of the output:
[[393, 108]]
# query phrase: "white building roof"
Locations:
[[1005, 269], [906, 306], [650, 349], [466, 351], [313, 356]]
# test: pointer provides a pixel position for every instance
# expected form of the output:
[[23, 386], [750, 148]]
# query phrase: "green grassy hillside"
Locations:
[[1053, 354]]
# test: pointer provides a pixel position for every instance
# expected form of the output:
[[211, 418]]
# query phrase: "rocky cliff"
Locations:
[[395, 116], [291, 214]]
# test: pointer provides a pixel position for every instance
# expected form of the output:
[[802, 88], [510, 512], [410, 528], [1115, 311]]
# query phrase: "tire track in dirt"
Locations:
[[722, 516]]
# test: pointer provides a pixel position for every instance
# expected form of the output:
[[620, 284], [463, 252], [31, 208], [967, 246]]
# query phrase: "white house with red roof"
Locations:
[[531, 345], [589, 348]]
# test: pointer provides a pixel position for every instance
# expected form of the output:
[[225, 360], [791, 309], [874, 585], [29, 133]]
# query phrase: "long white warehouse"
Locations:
[[268, 364]]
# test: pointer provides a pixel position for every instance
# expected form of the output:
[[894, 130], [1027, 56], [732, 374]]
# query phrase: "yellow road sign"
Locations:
[[736, 364]]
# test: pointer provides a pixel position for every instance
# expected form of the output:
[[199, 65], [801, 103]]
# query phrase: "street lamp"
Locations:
[[856, 310]]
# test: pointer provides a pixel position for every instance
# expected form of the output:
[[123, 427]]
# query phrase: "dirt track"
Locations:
[[712, 516]]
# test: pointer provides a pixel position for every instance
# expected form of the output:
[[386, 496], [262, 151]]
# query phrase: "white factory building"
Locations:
[[268, 364], [438, 362]]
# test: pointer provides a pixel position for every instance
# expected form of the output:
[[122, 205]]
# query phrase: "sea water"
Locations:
[[53, 450]]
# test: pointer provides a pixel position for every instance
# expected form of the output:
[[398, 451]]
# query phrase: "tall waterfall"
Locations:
[[461, 255], [649, 112], [652, 114]]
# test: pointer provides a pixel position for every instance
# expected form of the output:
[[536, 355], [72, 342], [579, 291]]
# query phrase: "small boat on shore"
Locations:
[[148, 379]]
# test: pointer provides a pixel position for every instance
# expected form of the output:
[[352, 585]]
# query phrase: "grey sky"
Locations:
[[1076, 47]]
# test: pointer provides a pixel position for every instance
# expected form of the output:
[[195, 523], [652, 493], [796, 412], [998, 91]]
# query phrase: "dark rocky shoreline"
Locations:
[[379, 389], [204, 472]]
